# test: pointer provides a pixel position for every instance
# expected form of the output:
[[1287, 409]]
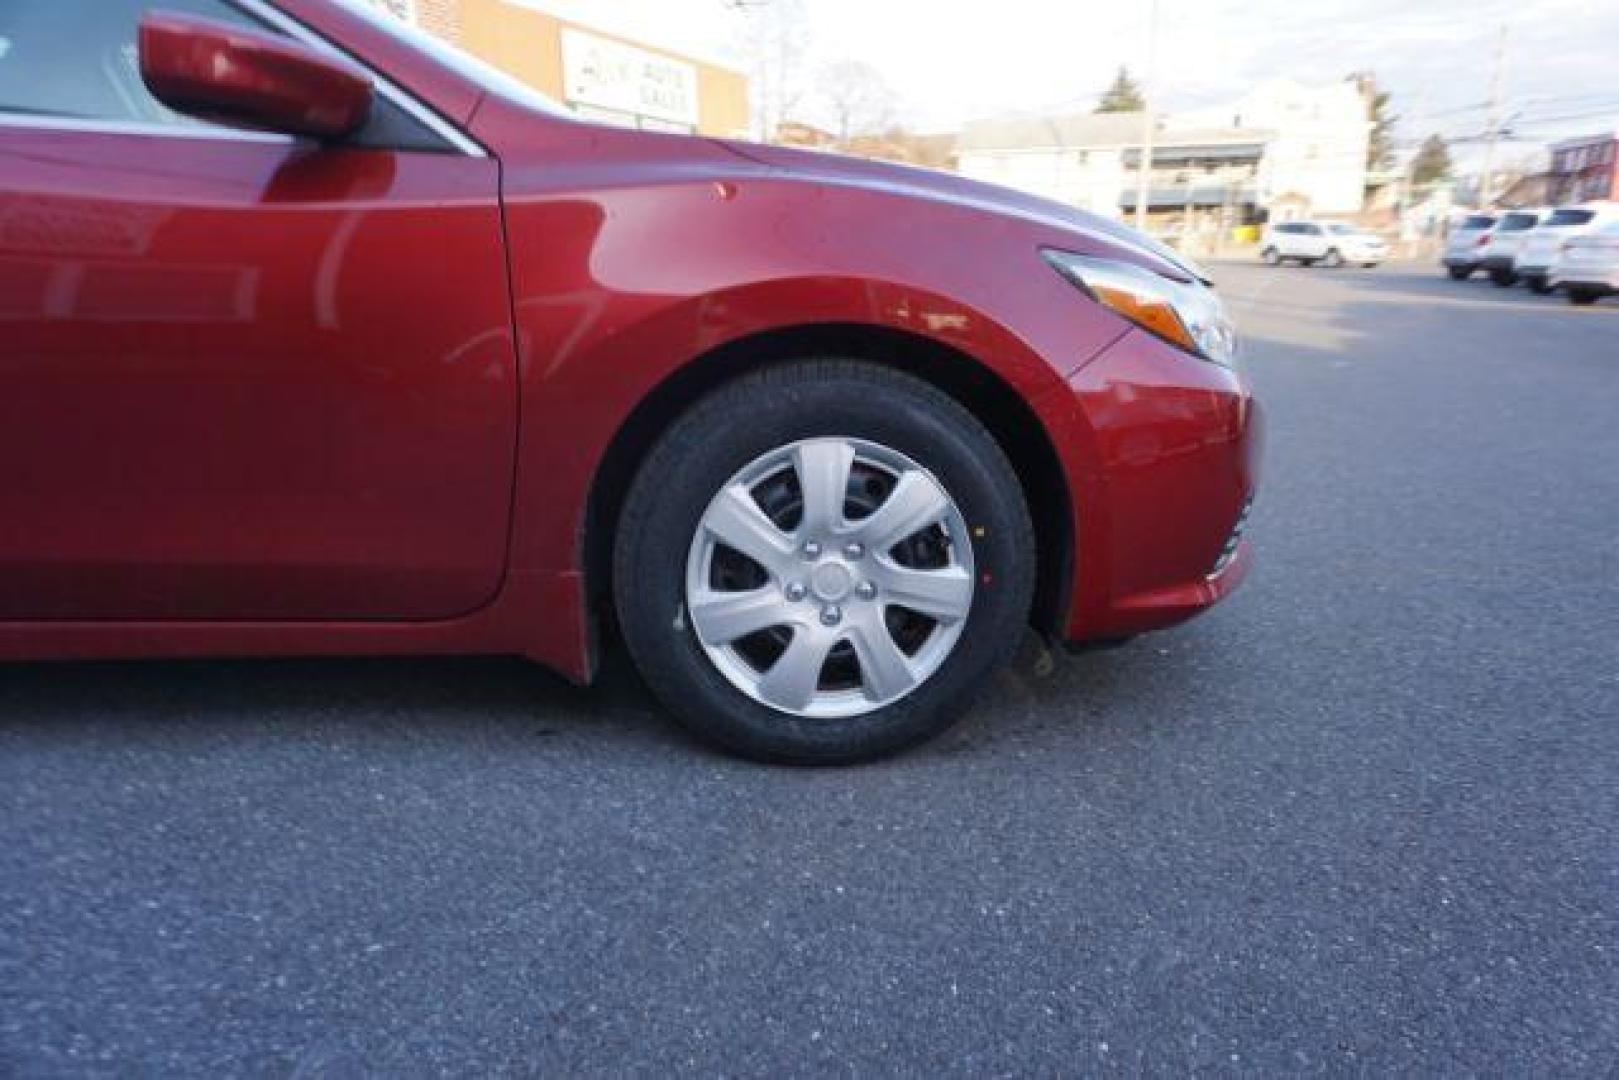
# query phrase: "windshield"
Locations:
[[462, 63], [1517, 222], [1562, 218], [1337, 228]]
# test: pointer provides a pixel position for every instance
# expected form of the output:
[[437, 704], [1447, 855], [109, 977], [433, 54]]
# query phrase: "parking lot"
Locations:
[[1361, 818]]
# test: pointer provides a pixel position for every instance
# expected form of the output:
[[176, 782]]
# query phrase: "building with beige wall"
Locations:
[[600, 75]]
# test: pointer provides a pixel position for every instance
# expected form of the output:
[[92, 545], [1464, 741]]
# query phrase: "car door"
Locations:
[[243, 376], [1311, 240], [1289, 232]]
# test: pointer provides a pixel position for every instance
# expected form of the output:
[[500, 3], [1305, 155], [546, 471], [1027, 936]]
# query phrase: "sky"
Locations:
[[953, 61]]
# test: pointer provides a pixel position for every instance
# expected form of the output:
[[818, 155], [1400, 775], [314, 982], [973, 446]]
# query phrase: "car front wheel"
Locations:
[[820, 561], [1333, 258]]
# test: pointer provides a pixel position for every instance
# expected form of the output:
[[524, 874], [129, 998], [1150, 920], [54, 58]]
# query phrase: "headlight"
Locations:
[[1188, 315]]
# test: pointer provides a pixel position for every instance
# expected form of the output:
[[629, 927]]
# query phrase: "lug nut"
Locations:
[[831, 615], [795, 591], [812, 549], [866, 590], [854, 549]]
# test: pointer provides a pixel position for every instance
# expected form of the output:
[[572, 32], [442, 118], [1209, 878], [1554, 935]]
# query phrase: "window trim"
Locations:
[[386, 87], [456, 139]]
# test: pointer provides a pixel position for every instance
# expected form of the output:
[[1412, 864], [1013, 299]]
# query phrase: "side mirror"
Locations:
[[218, 71]]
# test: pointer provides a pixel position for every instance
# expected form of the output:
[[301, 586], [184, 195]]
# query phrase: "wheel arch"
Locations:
[[980, 390]]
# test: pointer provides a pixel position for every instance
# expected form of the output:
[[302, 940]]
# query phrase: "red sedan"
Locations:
[[317, 337]]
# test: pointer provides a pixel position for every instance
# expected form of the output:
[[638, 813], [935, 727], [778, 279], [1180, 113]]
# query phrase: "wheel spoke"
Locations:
[[791, 682], [823, 476], [944, 594], [884, 669], [722, 617], [736, 520], [915, 503]]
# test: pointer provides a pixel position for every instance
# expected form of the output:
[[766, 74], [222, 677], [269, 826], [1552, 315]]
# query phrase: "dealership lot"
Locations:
[[1361, 817]]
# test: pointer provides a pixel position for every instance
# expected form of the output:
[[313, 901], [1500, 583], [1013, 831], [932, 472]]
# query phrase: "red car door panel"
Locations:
[[249, 378]]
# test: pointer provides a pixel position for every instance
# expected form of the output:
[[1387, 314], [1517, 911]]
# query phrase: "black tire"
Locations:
[[1539, 285], [1503, 278], [1271, 257], [1459, 273], [764, 411], [1582, 297], [1334, 258]]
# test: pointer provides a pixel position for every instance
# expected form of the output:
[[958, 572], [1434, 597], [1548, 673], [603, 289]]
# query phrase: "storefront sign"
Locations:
[[603, 74]]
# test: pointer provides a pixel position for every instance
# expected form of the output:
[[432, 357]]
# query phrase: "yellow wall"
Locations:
[[528, 44]]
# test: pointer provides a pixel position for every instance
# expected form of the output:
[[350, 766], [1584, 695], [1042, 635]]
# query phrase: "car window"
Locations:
[[1339, 229], [1570, 216], [78, 60], [1516, 223], [1478, 221], [1310, 230]]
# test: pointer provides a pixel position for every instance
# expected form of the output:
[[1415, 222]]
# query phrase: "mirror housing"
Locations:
[[217, 71]]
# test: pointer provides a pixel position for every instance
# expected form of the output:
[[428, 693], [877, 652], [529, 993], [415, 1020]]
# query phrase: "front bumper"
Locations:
[[1163, 465]]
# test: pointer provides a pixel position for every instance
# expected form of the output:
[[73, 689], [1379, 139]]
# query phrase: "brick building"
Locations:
[[1583, 169]]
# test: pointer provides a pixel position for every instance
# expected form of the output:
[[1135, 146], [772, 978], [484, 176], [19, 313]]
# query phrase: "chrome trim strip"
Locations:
[[386, 87], [39, 121]]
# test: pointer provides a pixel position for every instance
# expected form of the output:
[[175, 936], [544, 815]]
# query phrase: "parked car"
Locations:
[[1588, 267], [1537, 261], [1464, 247], [1330, 243], [323, 338], [1506, 240]]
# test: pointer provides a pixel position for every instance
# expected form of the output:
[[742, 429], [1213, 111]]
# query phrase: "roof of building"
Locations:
[[1078, 130], [1585, 140], [1083, 131]]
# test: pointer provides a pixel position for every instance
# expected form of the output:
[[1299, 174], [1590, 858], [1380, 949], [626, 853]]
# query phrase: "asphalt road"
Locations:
[[1362, 818]]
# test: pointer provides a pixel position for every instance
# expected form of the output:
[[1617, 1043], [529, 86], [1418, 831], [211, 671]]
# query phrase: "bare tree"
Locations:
[[858, 98], [775, 38]]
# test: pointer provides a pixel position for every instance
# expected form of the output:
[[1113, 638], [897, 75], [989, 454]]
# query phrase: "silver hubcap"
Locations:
[[830, 577]]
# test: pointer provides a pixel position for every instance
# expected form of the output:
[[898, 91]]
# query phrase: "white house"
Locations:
[[1300, 149], [1076, 159], [1316, 155]]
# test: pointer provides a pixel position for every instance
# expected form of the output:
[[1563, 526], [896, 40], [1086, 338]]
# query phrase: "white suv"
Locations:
[[1537, 259], [1330, 243], [1464, 247], [1500, 253]]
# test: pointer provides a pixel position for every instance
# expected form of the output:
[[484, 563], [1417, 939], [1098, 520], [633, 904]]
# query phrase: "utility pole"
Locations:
[[1487, 178], [1144, 169]]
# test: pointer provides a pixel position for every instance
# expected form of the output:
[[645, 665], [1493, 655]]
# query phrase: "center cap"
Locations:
[[831, 582]]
